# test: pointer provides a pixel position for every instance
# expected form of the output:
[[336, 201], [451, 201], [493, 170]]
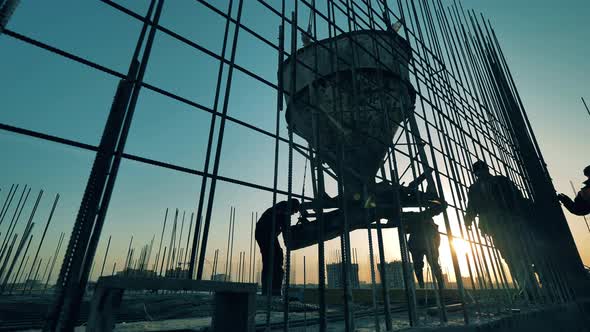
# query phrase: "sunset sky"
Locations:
[[545, 43]]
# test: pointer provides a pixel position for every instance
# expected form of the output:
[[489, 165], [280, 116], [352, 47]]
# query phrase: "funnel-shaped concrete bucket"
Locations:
[[358, 85]]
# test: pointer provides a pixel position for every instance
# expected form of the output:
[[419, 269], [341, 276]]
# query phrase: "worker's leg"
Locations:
[[432, 258], [277, 279], [513, 255], [265, 264], [418, 260]]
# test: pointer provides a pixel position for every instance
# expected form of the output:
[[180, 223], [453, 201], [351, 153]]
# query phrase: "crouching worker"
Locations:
[[269, 243]]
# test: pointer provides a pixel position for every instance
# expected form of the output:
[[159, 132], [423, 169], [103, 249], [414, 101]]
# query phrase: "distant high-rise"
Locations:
[[219, 277], [394, 273], [335, 280], [259, 272], [293, 271]]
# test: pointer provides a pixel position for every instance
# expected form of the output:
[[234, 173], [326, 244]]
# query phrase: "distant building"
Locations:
[[129, 272], [293, 270], [219, 277], [177, 273], [259, 272], [467, 282], [335, 280], [394, 273]]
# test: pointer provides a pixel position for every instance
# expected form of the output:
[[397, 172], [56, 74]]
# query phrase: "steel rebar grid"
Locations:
[[160, 91], [457, 195], [214, 116], [415, 131], [69, 287]]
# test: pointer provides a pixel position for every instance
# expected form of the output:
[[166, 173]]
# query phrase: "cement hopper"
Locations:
[[362, 122], [358, 86]]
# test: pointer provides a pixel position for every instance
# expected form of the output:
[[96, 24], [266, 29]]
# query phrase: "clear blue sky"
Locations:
[[546, 43]]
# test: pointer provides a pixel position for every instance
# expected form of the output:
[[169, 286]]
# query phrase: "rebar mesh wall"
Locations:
[[464, 100]]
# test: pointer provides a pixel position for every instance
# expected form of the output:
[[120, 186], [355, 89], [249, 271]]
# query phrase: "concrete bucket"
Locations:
[[350, 94]]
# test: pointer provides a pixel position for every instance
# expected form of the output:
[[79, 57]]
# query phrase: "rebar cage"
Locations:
[[398, 98]]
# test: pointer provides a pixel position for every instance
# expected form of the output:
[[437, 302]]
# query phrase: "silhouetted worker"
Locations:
[[502, 212], [580, 206], [424, 241], [264, 237]]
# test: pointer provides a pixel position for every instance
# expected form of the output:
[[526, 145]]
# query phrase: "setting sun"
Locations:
[[461, 246]]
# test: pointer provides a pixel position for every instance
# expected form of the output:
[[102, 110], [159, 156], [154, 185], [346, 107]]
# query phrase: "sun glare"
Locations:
[[461, 246]]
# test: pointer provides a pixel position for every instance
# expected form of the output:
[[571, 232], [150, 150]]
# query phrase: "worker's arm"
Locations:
[[578, 207], [471, 212]]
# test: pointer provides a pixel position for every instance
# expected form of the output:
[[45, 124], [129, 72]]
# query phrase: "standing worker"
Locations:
[[580, 206], [503, 216], [264, 238], [424, 241]]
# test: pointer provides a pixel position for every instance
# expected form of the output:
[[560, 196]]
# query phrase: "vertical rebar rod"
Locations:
[[171, 243], [91, 270], [303, 300], [279, 107], [33, 282], [585, 105], [17, 253], [146, 262], [45, 231], [20, 277], [162, 263], [346, 247], [46, 269], [212, 122], [128, 255], [216, 162], [7, 202], [214, 267], [158, 256], [254, 257], [287, 229], [318, 186], [250, 272], [188, 238], [57, 248], [373, 285], [106, 253], [31, 216], [231, 209], [17, 275], [9, 252], [179, 251], [240, 268], [231, 246], [16, 214]]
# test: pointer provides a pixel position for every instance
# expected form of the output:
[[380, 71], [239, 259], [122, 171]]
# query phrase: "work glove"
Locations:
[[562, 197]]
